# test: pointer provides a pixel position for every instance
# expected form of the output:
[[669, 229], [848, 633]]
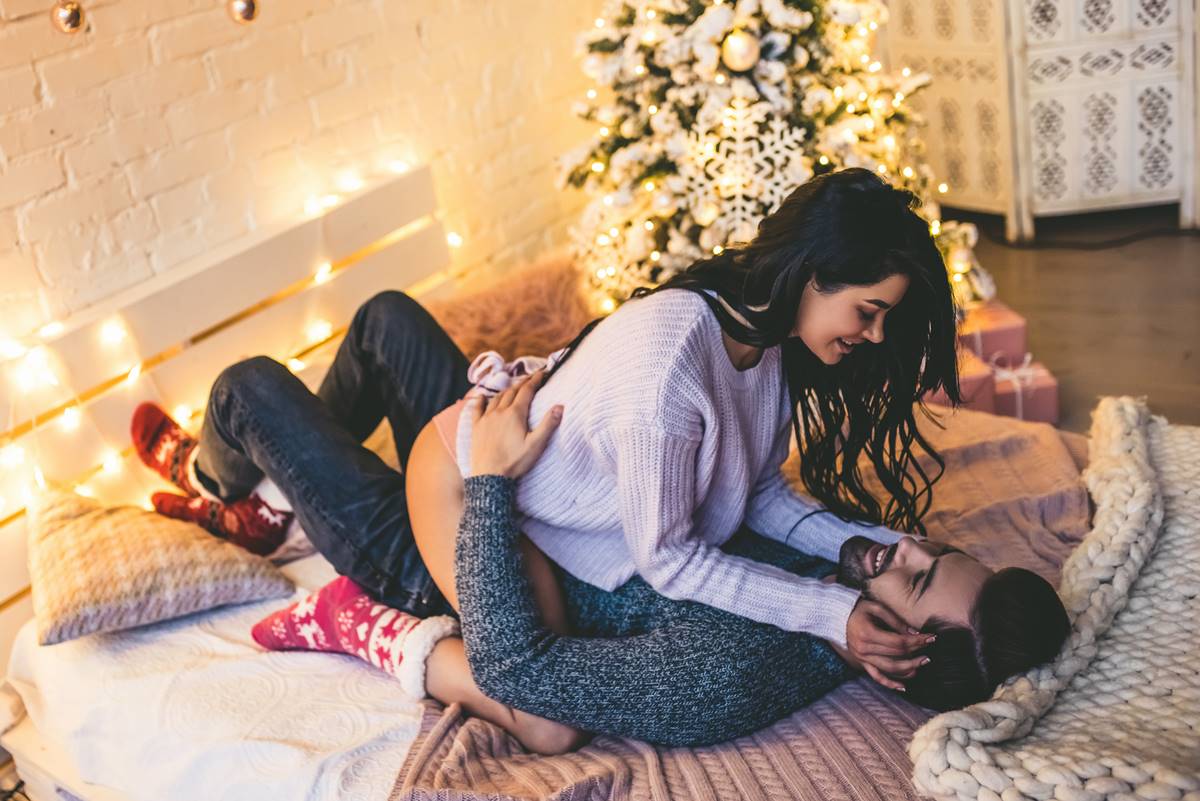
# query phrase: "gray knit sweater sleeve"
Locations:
[[647, 686]]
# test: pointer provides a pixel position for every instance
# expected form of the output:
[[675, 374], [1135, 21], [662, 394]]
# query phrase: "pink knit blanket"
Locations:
[[1011, 495]]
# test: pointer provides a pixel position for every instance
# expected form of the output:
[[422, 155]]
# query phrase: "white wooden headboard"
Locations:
[[67, 393]]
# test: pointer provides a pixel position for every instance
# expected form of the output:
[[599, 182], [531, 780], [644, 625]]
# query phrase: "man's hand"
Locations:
[[876, 645], [501, 442]]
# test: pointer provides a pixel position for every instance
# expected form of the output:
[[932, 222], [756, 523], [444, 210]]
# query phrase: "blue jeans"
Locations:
[[395, 362]]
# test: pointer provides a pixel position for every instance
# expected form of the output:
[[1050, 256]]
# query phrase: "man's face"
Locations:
[[916, 579]]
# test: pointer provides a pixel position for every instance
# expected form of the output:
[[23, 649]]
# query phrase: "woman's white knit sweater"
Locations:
[[664, 450]]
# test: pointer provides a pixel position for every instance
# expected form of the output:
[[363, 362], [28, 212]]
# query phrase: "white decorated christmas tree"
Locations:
[[709, 113]]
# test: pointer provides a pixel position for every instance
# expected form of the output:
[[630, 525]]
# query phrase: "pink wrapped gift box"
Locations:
[[993, 329], [1027, 392], [976, 384]]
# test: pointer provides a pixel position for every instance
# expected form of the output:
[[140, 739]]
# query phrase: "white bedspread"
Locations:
[[194, 709]]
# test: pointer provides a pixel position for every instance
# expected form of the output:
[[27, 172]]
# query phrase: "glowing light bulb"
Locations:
[[611, 271], [862, 31], [648, 225], [881, 169], [889, 141], [111, 463], [70, 418], [943, 187], [591, 94], [608, 305], [648, 186], [35, 371], [639, 70], [862, 96], [12, 456], [11, 349], [604, 130], [718, 250], [614, 231], [296, 365], [837, 92], [608, 200], [600, 273], [454, 239], [653, 109], [875, 67], [864, 58], [319, 331], [651, 13], [323, 273], [908, 172], [958, 277], [399, 166], [599, 22], [50, 330], [655, 255], [603, 240], [850, 108], [873, 25], [112, 332], [823, 160], [906, 72], [597, 166], [899, 98], [648, 37], [720, 77], [935, 227]]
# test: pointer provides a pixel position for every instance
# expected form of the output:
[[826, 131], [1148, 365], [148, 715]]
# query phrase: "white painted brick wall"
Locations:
[[167, 129]]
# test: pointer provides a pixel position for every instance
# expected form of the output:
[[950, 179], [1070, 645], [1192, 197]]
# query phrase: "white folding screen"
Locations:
[[1041, 107]]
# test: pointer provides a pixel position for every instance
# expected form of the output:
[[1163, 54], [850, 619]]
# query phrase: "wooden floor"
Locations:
[[1117, 321]]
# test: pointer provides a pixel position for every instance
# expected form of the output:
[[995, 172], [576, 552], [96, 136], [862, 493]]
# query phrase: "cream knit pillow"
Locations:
[[96, 569]]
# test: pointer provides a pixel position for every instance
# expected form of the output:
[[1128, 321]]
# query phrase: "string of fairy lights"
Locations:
[[69, 16], [32, 368]]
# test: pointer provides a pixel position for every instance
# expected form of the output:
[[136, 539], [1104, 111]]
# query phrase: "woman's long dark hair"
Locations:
[[840, 229]]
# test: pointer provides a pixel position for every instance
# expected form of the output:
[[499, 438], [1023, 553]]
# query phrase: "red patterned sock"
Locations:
[[163, 445], [249, 522], [341, 618]]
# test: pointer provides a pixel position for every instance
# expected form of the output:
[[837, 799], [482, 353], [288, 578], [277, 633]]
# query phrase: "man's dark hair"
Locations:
[[1018, 621]]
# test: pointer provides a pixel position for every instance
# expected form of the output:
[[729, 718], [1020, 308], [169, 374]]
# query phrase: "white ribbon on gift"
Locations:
[[1022, 377]]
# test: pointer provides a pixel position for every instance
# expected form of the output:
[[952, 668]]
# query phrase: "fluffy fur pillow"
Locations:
[[531, 311], [97, 569]]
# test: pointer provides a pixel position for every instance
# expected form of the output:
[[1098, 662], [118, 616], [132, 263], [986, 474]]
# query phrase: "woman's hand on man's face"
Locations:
[[879, 642], [501, 442]]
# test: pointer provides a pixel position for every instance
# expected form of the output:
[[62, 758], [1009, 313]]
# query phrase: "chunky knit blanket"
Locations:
[[1117, 714]]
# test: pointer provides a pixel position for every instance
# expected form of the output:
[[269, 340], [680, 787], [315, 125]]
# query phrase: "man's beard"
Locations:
[[852, 570]]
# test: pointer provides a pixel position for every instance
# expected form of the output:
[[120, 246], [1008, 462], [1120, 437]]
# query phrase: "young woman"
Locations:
[[679, 407]]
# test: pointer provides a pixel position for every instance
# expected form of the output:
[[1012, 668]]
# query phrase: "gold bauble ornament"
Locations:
[[243, 11], [67, 17], [740, 50]]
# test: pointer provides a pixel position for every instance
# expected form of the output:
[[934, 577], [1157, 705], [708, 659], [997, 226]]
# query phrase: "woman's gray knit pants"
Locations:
[[644, 666]]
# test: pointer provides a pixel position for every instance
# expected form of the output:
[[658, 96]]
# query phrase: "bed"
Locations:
[[185, 708]]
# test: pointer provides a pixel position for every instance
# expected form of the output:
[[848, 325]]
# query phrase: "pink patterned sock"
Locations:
[[341, 618]]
